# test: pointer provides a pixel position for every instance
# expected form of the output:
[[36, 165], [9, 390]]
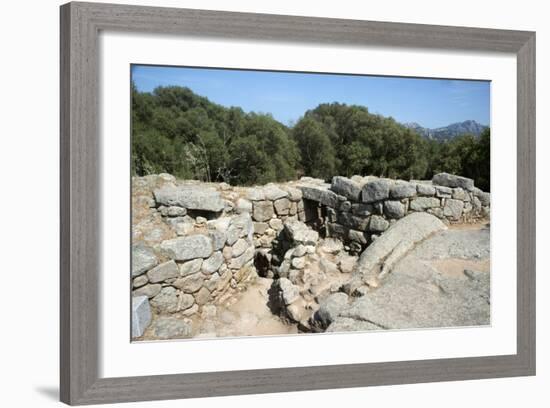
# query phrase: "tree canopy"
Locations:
[[177, 131]]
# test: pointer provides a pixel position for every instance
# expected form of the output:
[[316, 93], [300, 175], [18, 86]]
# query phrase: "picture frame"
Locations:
[[80, 234]]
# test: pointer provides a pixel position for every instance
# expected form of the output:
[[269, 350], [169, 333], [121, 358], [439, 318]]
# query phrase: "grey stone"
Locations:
[[174, 211], [263, 211], [354, 222], [347, 263], [141, 315], [300, 233], [299, 251], [212, 264], [345, 206], [276, 224], [294, 194], [329, 309], [172, 328], [320, 194], [166, 301], [260, 227], [150, 290], [272, 193], [402, 189], [379, 257], [423, 203], [185, 301], [143, 259], [450, 180], [282, 206], [362, 210], [328, 267], [484, 198], [219, 238], [212, 283], [202, 296], [240, 261], [139, 281], [298, 263], [443, 192], [190, 267], [190, 197], [255, 194], [243, 206], [239, 247], [376, 190], [357, 236], [346, 187], [184, 228], [189, 247], [425, 189], [453, 209], [459, 194], [394, 209], [331, 246], [190, 283], [378, 224], [164, 271], [345, 324], [289, 292]]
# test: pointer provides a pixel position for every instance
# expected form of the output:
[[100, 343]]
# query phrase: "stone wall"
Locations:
[[193, 242]]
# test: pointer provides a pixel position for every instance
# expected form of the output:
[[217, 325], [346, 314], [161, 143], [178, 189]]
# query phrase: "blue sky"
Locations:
[[287, 96]]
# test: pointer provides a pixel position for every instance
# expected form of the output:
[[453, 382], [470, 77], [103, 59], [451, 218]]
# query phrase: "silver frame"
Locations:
[[80, 191]]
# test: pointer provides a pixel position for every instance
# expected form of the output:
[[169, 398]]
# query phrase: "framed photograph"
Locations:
[[261, 203]]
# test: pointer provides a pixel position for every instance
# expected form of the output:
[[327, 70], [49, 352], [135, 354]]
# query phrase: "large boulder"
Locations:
[[450, 180], [186, 248], [346, 187], [379, 257], [320, 194], [190, 197], [376, 190]]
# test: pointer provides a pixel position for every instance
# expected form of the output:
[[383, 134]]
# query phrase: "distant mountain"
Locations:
[[448, 132]]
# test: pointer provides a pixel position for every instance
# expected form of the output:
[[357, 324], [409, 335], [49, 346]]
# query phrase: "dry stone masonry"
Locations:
[[196, 242]]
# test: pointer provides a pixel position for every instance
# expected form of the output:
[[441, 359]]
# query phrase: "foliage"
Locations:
[[178, 132]]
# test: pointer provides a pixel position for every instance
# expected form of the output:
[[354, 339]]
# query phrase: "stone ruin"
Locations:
[[194, 243]]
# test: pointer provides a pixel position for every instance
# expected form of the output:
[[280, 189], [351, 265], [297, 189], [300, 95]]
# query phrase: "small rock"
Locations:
[[202, 296], [298, 263], [425, 189], [191, 283], [190, 267], [289, 292], [150, 290], [163, 272], [243, 206], [378, 224], [166, 300], [212, 264], [282, 206], [139, 281], [239, 247], [402, 189]]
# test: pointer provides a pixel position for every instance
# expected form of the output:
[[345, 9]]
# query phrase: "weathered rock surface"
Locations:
[[190, 197], [164, 271], [398, 239], [300, 233], [450, 180], [376, 190], [189, 247], [345, 187], [172, 328], [143, 259]]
